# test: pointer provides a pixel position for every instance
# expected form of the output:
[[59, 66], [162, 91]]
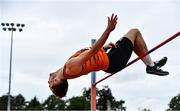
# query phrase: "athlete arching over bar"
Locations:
[[96, 58]]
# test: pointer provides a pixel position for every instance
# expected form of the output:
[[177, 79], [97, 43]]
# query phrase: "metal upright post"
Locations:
[[93, 86]]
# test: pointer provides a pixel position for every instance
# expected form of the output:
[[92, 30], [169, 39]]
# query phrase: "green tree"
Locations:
[[104, 95], [87, 93], [78, 103], [118, 105], [34, 104], [4, 100], [174, 103], [54, 103], [105, 98], [19, 102]]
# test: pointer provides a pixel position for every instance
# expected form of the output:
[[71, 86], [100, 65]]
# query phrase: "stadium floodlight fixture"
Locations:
[[12, 27]]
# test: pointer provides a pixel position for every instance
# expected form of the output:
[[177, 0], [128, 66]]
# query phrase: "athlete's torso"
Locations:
[[97, 62]]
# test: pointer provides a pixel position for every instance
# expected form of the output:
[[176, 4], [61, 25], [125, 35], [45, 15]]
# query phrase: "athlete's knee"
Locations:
[[135, 31]]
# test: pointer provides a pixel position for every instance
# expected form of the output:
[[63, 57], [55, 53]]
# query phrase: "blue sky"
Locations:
[[55, 29]]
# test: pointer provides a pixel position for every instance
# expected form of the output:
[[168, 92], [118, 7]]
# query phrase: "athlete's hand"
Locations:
[[109, 46], [112, 21]]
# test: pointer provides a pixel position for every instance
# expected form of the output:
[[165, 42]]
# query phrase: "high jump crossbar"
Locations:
[[143, 55]]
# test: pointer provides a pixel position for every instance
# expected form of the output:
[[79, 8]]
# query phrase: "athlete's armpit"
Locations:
[[73, 66]]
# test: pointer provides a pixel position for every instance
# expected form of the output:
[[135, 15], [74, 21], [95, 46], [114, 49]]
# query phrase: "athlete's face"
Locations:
[[53, 80]]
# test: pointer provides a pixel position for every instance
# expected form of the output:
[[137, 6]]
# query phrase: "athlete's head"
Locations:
[[58, 85]]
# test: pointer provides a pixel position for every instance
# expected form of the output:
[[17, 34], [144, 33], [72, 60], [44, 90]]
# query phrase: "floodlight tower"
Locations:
[[12, 27]]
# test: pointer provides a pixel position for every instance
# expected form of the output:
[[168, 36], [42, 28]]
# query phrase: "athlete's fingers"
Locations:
[[113, 45], [112, 16], [108, 19]]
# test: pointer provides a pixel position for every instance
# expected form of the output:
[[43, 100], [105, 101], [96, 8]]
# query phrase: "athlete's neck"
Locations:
[[60, 73]]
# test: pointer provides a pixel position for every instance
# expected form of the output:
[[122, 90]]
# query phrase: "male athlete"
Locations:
[[95, 58]]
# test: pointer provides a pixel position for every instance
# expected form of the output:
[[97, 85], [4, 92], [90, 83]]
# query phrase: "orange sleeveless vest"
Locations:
[[97, 62]]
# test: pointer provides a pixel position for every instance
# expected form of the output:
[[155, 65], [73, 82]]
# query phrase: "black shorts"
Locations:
[[118, 57]]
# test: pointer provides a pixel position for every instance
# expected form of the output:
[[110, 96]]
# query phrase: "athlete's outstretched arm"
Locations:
[[74, 65], [112, 21], [101, 41]]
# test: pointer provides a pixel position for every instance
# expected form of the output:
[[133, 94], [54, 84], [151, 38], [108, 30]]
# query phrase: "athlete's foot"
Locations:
[[161, 62], [156, 71]]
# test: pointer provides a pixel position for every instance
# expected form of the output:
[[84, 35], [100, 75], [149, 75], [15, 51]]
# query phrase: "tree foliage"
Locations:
[[54, 103], [105, 100], [174, 103], [78, 103], [34, 104], [17, 102], [3, 102]]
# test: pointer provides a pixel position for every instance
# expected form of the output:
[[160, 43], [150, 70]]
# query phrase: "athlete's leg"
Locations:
[[140, 48], [139, 44]]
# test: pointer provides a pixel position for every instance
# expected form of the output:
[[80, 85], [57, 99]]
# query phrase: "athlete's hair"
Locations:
[[60, 89]]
